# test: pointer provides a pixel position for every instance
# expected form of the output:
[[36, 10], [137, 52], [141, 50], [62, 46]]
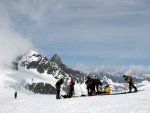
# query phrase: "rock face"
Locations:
[[41, 88], [55, 67]]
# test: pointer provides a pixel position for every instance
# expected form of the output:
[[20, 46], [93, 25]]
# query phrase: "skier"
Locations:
[[71, 88], [58, 85], [88, 85], [128, 79], [15, 94]]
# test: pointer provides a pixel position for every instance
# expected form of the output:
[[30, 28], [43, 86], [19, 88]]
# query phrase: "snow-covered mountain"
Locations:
[[53, 68], [39, 75]]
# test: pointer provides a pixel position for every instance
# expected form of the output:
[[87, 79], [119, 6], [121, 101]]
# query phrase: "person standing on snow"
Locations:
[[15, 94], [58, 85], [128, 79], [88, 85], [97, 84], [71, 88], [93, 84]]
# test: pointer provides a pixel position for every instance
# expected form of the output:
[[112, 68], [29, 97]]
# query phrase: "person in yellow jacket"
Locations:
[[107, 89]]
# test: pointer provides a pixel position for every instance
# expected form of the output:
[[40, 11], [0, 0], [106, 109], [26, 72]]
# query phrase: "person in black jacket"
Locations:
[[58, 85], [128, 79], [88, 83], [15, 94], [97, 84]]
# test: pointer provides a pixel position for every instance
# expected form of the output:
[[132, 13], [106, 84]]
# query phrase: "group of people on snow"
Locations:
[[95, 83], [92, 83]]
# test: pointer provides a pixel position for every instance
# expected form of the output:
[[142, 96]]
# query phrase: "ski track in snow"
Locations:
[[36, 103]]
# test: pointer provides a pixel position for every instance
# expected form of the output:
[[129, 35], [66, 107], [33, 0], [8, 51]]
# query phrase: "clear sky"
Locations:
[[88, 32]]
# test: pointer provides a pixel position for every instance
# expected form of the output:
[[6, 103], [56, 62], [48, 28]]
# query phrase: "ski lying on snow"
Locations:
[[121, 93], [101, 94]]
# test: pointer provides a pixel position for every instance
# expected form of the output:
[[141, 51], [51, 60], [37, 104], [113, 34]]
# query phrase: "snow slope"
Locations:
[[35, 103], [16, 80], [27, 102]]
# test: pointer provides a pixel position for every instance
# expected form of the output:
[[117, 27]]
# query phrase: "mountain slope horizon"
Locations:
[[50, 70]]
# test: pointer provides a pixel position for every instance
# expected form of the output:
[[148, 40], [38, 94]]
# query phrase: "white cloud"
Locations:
[[54, 10], [114, 70], [12, 43]]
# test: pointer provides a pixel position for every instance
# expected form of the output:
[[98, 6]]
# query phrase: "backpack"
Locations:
[[128, 78]]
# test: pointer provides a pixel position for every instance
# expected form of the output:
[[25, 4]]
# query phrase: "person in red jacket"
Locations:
[[71, 87]]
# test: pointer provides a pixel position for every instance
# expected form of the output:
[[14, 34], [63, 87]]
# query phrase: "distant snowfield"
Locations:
[[27, 102]]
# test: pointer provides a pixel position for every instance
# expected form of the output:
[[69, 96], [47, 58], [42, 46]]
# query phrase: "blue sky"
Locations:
[[88, 32]]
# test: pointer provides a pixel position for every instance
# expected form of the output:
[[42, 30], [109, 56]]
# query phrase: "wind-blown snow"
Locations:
[[27, 102]]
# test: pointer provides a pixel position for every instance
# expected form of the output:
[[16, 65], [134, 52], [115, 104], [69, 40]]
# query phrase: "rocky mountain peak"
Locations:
[[56, 59]]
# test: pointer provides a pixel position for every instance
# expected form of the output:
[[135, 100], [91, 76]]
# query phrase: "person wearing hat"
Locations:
[[128, 79], [58, 85]]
